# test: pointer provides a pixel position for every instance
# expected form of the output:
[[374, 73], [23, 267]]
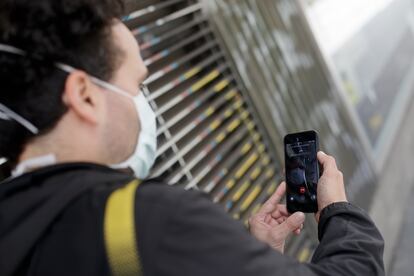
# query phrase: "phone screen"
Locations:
[[302, 171]]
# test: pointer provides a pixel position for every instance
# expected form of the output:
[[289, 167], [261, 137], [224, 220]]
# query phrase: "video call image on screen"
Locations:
[[301, 171]]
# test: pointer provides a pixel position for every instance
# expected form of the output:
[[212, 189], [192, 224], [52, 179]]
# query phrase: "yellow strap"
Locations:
[[120, 232]]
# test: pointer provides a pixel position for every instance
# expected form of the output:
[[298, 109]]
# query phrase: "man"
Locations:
[[77, 130]]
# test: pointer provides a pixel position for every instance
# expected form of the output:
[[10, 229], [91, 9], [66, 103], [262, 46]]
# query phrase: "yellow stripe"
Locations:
[[250, 198], [238, 104], [241, 191], [191, 73], [220, 137], [256, 173], [215, 124], [228, 113], [120, 232], [270, 173], [261, 148], [221, 85], [246, 165], [272, 188], [233, 125], [230, 184], [266, 160], [246, 148], [256, 209], [198, 85], [209, 111], [245, 115], [231, 94], [250, 125]]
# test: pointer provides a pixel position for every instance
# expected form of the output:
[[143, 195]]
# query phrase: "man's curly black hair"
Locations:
[[75, 32]]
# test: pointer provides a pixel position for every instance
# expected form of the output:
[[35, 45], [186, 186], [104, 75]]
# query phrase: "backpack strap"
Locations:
[[120, 233]]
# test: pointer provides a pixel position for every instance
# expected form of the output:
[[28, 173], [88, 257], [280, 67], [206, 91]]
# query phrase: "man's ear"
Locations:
[[82, 96]]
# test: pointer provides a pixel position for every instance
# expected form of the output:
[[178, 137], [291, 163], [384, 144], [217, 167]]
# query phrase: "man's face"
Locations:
[[121, 122]]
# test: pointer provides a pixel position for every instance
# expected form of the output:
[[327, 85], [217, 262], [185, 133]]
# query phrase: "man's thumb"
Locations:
[[292, 223]]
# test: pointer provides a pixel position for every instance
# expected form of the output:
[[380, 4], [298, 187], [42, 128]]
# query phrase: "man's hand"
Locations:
[[273, 224], [331, 187]]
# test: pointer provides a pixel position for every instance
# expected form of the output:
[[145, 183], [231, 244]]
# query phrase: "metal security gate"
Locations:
[[207, 136], [280, 67]]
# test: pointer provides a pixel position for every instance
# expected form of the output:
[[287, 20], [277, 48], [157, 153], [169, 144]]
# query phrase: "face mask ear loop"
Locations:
[[11, 114], [7, 112], [12, 50], [103, 84]]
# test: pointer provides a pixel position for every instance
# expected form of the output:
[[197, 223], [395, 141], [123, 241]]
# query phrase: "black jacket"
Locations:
[[51, 223]]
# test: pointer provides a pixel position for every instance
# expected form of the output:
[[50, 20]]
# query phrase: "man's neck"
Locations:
[[61, 153]]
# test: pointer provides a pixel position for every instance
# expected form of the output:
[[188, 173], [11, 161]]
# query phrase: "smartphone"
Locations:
[[302, 171]]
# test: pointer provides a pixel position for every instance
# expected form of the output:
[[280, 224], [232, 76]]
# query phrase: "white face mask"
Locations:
[[145, 151], [144, 155]]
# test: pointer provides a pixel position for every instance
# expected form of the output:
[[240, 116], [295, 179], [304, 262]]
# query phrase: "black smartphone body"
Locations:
[[302, 171]]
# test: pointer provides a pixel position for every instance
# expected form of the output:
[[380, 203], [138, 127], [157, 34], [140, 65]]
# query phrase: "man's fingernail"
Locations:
[[299, 217]]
